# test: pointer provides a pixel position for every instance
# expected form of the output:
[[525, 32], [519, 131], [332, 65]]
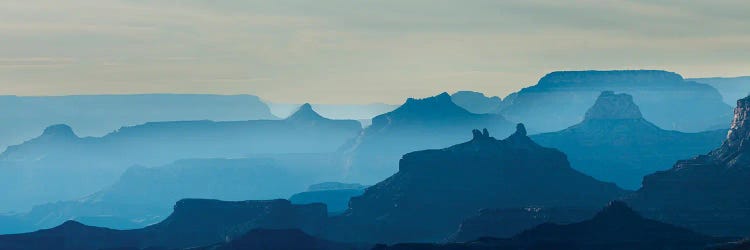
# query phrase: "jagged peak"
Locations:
[[611, 106], [59, 131], [305, 112]]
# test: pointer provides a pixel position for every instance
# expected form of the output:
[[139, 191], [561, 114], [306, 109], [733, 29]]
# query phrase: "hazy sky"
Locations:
[[354, 51]]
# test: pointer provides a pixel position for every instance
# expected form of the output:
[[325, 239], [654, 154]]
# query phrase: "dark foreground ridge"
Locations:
[[614, 227]]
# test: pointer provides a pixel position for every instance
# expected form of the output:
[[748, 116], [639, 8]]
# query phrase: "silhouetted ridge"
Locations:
[[611, 106], [615, 227]]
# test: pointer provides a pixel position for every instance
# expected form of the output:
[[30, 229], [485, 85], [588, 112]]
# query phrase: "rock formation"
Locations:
[[560, 99], [434, 190], [615, 143], [433, 122]]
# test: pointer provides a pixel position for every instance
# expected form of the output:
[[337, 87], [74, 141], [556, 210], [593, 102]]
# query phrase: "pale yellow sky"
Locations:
[[354, 51]]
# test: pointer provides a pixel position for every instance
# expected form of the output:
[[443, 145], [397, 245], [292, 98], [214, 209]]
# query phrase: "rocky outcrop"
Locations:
[[433, 122], [615, 227], [560, 99], [434, 190], [708, 193], [476, 102], [615, 143]]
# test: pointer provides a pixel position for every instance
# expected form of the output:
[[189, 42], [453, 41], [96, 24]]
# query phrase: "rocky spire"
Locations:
[[611, 106], [484, 134]]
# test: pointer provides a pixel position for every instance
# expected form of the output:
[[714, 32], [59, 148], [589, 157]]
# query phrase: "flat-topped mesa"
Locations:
[[611, 106], [640, 77]]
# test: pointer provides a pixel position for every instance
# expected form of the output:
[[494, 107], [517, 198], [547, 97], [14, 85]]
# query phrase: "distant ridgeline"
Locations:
[[93, 115], [59, 165], [560, 100], [615, 143], [732, 88]]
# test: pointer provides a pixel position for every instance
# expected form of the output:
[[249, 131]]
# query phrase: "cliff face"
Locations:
[[615, 143], [560, 99], [434, 122], [435, 190], [709, 193]]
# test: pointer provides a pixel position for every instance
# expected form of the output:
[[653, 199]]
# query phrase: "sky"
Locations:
[[354, 51]]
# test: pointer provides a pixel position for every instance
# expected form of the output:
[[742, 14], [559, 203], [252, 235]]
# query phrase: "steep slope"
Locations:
[[615, 227], [708, 193], [614, 143], [49, 168], [560, 99], [193, 223], [476, 102], [731, 88], [434, 190], [95, 115], [433, 122]]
